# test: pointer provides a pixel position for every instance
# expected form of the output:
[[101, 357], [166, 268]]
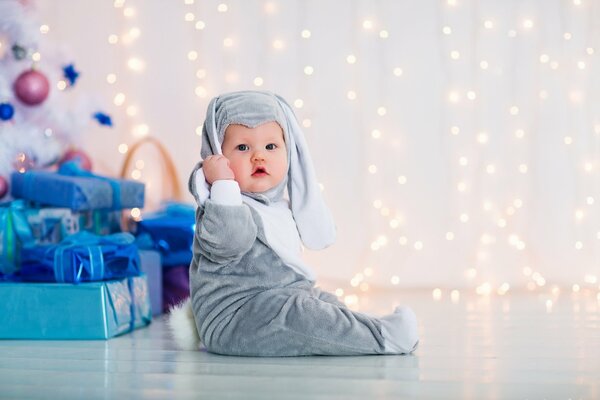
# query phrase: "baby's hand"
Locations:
[[216, 168]]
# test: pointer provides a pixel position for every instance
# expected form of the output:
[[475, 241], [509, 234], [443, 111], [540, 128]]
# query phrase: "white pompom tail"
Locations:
[[183, 326]]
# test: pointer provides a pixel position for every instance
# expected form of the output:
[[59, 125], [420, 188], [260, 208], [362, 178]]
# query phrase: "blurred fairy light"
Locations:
[[119, 99], [305, 34], [44, 29], [135, 64], [192, 55], [129, 12], [258, 81]]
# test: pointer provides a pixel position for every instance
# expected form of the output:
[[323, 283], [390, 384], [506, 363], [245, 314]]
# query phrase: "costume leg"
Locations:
[[293, 322]]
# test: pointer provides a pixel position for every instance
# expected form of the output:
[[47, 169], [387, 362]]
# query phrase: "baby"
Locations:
[[251, 293]]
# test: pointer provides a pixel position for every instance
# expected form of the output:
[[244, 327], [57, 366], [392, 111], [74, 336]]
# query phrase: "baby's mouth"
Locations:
[[260, 171]]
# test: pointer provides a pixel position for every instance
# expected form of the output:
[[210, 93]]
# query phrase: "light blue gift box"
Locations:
[[93, 310], [152, 267]]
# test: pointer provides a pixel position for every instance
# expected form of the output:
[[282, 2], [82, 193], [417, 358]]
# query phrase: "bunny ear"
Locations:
[[313, 218], [198, 186]]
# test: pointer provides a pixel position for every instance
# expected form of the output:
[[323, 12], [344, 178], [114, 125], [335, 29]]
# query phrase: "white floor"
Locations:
[[517, 346]]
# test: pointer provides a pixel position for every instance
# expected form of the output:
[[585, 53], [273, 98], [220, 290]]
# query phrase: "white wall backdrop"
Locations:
[[458, 142]]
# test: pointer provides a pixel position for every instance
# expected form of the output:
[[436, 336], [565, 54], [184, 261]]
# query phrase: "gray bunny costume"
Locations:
[[251, 294]]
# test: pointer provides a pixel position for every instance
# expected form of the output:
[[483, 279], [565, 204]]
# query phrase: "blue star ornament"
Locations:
[[70, 74], [103, 119]]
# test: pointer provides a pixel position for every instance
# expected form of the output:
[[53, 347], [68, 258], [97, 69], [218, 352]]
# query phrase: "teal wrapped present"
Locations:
[[95, 310], [14, 234], [77, 190]]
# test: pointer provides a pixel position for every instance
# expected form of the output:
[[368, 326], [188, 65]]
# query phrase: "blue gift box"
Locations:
[[15, 232], [95, 310], [77, 192], [170, 231], [81, 257], [152, 267]]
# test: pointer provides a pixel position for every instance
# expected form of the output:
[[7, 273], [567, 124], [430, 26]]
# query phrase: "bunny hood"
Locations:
[[253, 108]]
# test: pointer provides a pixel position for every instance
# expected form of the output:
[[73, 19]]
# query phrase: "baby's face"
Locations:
[[257, 156]]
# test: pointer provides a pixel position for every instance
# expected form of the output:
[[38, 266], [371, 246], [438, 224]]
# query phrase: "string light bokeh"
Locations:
[[457, 142]]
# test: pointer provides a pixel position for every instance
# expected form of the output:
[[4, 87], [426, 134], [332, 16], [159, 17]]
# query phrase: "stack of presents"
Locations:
[[67, 268]]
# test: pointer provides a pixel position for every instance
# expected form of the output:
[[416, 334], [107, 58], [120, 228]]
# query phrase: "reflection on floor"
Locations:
[[522, 345]]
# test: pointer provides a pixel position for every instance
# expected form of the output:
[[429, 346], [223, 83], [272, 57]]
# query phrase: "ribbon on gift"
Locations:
[[14, 230], [72, 168], [82, 257]]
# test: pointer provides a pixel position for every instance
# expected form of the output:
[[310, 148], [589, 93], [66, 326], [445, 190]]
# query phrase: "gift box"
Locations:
[[82, 257], [150, 264], [14, 233], [170, 231], [94, 310], [77, 190], [50, 225]]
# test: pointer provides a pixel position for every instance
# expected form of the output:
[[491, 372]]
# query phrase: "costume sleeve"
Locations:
[[225, 228]]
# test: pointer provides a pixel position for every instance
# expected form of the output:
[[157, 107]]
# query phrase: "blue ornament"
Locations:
[[103, 119], [6, 111], [70, 74]]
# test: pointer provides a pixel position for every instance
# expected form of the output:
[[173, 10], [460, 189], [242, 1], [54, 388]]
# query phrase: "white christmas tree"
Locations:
[[40, 121]]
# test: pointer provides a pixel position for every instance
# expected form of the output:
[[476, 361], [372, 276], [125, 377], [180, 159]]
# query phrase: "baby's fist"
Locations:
[[217, 168]]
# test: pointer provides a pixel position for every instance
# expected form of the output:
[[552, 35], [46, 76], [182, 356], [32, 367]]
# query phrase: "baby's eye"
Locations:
[[242, 147], [271, 146]]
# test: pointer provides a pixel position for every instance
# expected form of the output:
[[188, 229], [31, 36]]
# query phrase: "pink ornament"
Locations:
[[80, 157], [3, 187], [31, 87]]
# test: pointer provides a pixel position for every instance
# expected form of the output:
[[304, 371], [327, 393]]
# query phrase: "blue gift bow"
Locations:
[[93, 243], [16, 228], [72, 168]]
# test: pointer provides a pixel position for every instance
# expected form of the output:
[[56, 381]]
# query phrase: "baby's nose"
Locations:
[[258, 156]]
